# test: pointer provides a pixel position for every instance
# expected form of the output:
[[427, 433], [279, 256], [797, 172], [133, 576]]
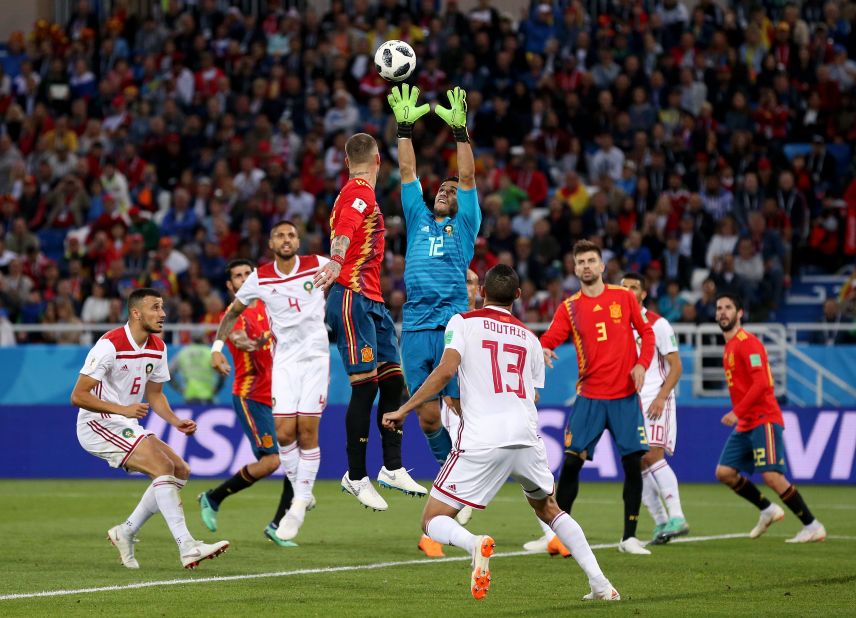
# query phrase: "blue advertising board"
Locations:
[[40, 442]]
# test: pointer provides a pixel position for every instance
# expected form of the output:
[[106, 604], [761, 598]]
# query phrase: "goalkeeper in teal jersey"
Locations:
[[440, 244]]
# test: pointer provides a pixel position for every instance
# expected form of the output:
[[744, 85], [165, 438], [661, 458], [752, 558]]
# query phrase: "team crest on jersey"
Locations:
[[128, 433], [367, 354], [267, 441], [448, 229], [149, 368], [308, 286], [615, 311]]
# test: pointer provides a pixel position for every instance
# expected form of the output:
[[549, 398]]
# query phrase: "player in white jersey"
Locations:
[[126, 366], [659, 483], [500, 364], [301, 360]]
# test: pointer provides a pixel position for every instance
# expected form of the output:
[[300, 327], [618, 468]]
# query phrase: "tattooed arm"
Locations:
[[218, 359], [325, 277]]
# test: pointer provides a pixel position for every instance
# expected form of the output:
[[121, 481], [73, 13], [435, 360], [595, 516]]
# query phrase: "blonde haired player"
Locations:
[[659, 483], [500, 365], [126, 366]]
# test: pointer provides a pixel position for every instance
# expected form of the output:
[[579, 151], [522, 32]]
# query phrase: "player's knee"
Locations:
[[546, 510], [181, 469], [726, 475], [161, 465], [652, 457], [429, 416], [286, 435], [269, 463], [307, 437]]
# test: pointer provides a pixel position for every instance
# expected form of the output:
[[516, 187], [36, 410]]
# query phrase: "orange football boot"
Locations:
[[556, 548], [480, 580], [430, 547]]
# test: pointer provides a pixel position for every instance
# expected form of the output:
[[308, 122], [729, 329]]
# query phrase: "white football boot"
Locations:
[[810, 533], [125, 544], [400, 480], [538, 546], [364, 491], [768, 517], [607, 594], [290, 523], [194, 552], [633, 546]]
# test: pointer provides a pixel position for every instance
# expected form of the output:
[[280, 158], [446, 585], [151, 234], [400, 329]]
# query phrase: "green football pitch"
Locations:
[[355, 562]]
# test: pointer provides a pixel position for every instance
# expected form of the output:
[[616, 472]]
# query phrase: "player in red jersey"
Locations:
[[600, 320], [124, 367], [756, 443], [250, 346], [363, 328]]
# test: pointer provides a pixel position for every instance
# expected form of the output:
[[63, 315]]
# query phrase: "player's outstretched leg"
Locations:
[[743, 487], [209, 501], [566, 493], [572, 536], [170, 473], [393, 475], [439, 524], [812, 530], [632, 465]]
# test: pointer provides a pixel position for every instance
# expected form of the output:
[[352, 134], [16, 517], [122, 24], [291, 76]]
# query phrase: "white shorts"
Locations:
[[112, 438], [299, 388], [473, 478], [664, 431]]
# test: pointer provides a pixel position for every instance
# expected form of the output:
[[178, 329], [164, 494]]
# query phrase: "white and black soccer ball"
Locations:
[[395, 60]]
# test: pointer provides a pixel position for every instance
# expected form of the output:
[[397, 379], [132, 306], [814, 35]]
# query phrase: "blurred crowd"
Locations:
[[708, 149]]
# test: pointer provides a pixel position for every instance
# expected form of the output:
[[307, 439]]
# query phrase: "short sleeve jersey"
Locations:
[[253, 369], [123, 368], [747, 366], [665, 343], [438, 255], [502, 364], [601, 328], [295, 307], [356, 214]]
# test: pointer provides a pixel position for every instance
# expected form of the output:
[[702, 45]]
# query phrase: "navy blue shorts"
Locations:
[[364, 331], [589, 417], [758, 450], [421, 351], [257, 422]]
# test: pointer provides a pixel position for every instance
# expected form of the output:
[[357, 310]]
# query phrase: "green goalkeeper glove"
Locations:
[[456, 114], [403, 104]]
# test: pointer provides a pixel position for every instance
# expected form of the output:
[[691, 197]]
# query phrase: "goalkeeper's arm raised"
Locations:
[[456, 117], [403, 104]]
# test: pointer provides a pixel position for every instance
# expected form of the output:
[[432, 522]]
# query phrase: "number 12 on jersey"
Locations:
[[516, 367], [436, 246]]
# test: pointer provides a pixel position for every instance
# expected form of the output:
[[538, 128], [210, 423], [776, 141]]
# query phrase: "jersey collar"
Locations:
[[294, 269], [132, 340], [495, 308]]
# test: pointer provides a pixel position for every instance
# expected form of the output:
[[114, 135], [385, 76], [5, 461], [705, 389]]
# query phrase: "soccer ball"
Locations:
[[395, 60]]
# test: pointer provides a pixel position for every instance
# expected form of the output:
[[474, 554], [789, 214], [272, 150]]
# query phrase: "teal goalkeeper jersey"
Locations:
[[438, 255]]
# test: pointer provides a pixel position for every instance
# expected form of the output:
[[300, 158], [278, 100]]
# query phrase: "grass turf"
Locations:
[[52, 537]]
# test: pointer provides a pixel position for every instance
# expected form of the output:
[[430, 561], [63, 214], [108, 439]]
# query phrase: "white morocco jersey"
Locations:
[[502, 363], [665, 344], [123, 369], [295, 308]]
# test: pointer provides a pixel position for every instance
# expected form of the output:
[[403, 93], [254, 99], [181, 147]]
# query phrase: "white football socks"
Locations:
[[289, 457], [146, 507], [573, 537], [651, 498], [307, 470], [169, 504], [668, 483], [447, 531]]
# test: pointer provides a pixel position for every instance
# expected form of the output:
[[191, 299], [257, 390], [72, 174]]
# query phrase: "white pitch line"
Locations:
[[341, 569]]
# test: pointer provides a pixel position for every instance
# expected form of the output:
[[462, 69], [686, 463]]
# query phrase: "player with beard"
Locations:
[[440, 245], [301, 360], [125, 366], [756, 443], [600, 319]]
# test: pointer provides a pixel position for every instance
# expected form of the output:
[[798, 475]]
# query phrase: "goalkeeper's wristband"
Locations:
[[405, 130], [460, 134], [340, 260], [217, 346]]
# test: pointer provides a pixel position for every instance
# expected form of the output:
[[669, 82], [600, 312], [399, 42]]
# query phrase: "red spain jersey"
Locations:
[[601, 328], [253, 369], [356, 214], [750, 382]]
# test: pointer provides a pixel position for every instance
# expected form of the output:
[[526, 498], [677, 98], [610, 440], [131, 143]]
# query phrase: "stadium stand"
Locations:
[[709, 148]]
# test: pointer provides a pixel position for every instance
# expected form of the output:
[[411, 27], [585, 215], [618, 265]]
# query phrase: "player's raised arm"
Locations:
[[218, 359], [82, 397], [403, 104], [159, 403], [456, 117]]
